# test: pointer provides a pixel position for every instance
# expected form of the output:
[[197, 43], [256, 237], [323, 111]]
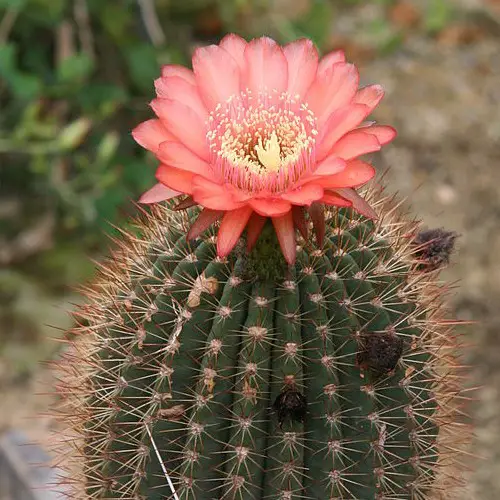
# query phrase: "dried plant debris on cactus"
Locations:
[[435, 247], [290, 404], [380, 351]]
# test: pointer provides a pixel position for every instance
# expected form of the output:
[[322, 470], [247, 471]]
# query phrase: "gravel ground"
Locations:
[[445, 104]]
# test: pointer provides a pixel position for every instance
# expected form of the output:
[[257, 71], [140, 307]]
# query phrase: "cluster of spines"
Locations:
[[119, 384]]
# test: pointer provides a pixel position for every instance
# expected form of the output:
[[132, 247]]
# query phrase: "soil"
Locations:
[[444, 100]]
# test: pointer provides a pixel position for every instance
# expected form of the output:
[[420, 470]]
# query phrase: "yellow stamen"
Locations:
[[262, 141], [269, 154]]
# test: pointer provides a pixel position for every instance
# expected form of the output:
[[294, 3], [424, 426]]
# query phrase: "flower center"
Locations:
[[262, 142]]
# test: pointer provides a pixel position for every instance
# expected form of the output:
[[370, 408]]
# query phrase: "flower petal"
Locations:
[[358, 202], [175, 154], [330, 198], [230, 230], [184, 124], [216, 202], [176, 179], [355, 174], [178, 89], [177, 70], [217, 75], [270, 207], [235, 45], [204, 220], [339, 123], [212, 195], [285, 231], [158, 193], [329, 166], [302, 58], [150, 134], [265, 66], [329, 60], [304, 195], [332, 89], [369, 96], [383, 133], [254, 228], [355, 143]]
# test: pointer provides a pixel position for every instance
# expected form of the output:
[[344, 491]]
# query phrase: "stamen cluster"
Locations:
[[262, 141]]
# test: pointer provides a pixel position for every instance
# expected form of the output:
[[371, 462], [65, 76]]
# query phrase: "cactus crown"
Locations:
[[245, 378]]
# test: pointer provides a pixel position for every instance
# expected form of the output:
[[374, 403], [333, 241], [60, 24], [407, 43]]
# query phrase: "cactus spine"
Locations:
[[331, 379]]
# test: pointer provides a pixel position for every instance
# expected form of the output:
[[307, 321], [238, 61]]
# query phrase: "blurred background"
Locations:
[[77, 75]]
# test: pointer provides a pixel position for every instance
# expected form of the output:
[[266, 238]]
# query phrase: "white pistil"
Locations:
[[269, 154]]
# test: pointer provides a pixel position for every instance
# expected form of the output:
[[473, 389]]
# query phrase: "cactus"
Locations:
[[247, 364], [197, 377]]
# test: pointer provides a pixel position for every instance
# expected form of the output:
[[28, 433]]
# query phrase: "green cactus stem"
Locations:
[[244, 378]]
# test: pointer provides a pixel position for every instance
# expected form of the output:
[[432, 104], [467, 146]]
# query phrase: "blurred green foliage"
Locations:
[[438, 14]]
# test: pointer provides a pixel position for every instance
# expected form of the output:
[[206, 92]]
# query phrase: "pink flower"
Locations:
[[260, 131]]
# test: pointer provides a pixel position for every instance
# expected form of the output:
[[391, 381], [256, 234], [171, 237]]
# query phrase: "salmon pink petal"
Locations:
[[212, 195], [383, 133], [238, 195], [339, 123], [235, 45], [180, 71], [230, 230], [358, 202], [223, 201], [175, 154], [329, 60], [184, 124], [355, 143], [304, 195], [329, 166], [265, 66], [178, 89], [176, 179], [333, 89], [302, 58], [217, 75], [158, 193], [330, 198], [285, 231], [370, 96], [150, 134], [270, 207], [254, 228], [208, 186], [355, 174], [204, 220]]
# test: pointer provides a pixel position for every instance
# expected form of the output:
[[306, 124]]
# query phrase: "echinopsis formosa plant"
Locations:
[[271, 333]]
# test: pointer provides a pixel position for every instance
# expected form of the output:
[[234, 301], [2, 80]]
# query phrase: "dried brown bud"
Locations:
[[434, 247]]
